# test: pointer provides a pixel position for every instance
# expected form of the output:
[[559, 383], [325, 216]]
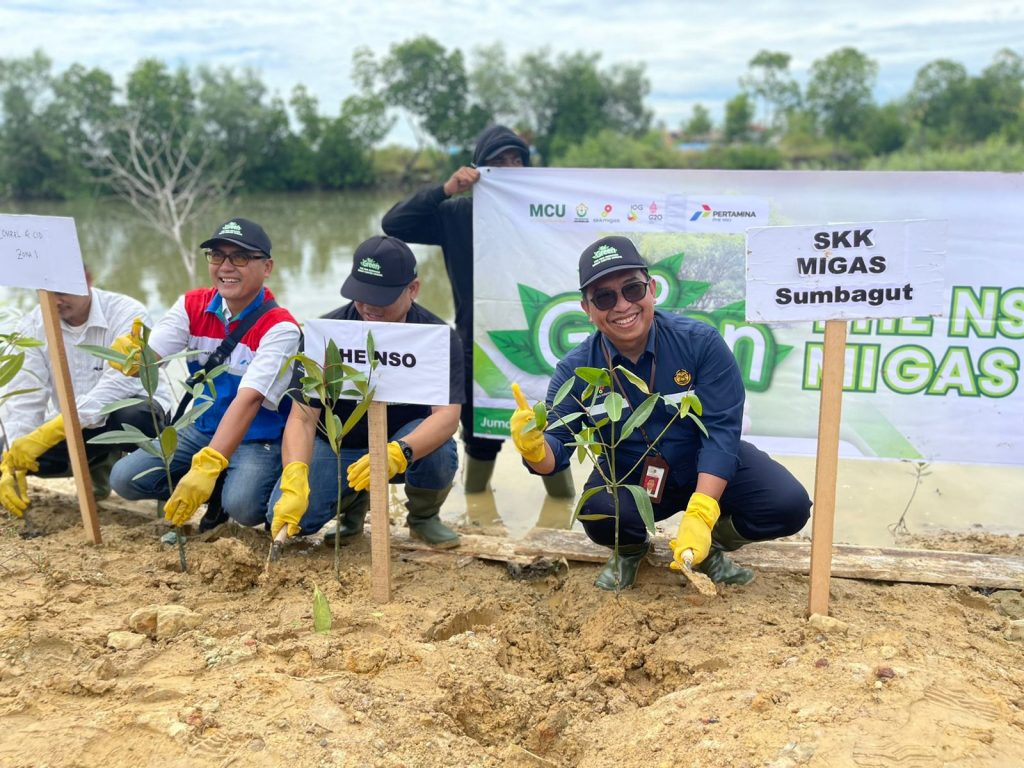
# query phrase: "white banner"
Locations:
[[942, 389], [846, 272], [41, 252], [413, 359]]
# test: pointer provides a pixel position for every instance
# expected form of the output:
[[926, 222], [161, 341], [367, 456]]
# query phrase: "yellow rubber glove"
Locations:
[[290, 508], [131, 345], [13, 488], [195, 487], [694, 531], [530, 444], [26, 449], [359, 470]]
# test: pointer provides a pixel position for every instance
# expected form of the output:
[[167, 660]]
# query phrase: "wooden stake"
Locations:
[[380, 537], [72, 427], [826, 464]]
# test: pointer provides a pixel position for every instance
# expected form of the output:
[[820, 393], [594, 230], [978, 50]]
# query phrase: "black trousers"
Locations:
[[57, 463], [764, 500], [482, 448]]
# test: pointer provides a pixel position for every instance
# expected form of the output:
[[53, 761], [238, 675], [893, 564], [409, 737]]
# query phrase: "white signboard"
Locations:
[[846, 271], [413, 358], [41, 252]]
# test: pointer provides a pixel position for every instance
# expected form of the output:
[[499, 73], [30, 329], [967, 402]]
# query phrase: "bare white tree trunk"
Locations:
[[165, 179]]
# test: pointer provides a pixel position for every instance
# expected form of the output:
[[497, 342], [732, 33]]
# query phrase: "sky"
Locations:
[[694, 52]]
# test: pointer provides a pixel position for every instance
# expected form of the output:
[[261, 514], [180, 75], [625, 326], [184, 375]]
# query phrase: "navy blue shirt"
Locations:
[[682, 350]]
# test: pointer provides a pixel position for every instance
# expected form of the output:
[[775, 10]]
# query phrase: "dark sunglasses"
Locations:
[[606, 298], [238, 258]]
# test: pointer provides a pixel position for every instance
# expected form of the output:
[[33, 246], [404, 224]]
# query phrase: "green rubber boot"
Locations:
[[620, 570], [100, 474], [717, 566], [424, 518], [478, 474], [560, 485], [354, 507]]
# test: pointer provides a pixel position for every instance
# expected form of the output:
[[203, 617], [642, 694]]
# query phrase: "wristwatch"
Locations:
[[406, 450]]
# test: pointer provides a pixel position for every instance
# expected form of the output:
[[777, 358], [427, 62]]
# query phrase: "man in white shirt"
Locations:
[[34, 427]]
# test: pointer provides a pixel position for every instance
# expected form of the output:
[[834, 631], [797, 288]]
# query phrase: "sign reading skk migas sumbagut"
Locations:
[[846, 271], [41, 252], [412, 359]]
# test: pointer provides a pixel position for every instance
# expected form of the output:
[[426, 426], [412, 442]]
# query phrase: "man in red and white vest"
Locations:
[[238, 439]]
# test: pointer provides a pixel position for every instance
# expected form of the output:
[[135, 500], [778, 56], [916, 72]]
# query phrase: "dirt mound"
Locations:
[[468, 666]]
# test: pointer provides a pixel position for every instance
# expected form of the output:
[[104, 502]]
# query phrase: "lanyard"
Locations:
[[625, 394]]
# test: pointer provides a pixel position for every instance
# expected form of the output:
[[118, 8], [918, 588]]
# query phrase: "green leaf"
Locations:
[[613, 404], [694, 402], [335, 430], [639, 416], [356, 415], [149, 370], [371, 351], [540, 415], [643, 505], [119, 404], [597, 377], [699, 423], [321, 611], [635, 380], [10, 366], [579, 504], [198, 409], [129, 434], [168, 442], [26, 342], [532, 301], [593, 517], [149, 471], [563, 391], [104, 353]]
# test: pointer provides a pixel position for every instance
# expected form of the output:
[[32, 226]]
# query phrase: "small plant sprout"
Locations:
[[163, 447], [329, 383]]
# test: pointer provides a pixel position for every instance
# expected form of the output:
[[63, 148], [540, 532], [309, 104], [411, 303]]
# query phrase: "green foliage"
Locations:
[[699, 125], [321, 611], [610, 149], [996, 154], [739, 113], [839, 91], [12, 359]]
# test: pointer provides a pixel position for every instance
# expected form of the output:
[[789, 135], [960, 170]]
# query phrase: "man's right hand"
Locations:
[[530, 444], [462, 180], [290, 508], [13, 489]]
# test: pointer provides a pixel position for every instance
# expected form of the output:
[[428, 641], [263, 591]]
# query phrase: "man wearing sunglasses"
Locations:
[[235, 445], [442, 215], [732, 493]]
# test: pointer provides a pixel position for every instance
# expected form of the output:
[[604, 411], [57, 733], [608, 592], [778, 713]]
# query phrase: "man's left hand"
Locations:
[[25, 451], [694, 531], [195, 487], [359, 470]]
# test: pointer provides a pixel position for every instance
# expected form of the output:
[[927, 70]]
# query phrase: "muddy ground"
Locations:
[[111, 657]]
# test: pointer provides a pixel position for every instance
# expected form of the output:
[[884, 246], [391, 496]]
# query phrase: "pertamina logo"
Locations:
[[707, 212]]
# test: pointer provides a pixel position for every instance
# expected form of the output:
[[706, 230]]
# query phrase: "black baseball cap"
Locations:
[[607, 255], [381, 269], [243, 233]]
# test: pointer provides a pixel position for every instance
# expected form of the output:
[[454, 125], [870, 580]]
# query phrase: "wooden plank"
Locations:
[[380, 545], [827, 464], [72, 427], [914, 566]]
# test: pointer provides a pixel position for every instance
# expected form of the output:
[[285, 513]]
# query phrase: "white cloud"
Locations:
[[693, 52]]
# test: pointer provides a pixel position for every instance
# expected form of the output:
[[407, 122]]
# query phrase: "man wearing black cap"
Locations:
[[436, 217], [382, 287], [731, 492], [239, 435]]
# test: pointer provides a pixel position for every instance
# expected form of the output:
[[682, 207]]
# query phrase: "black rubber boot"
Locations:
[[620, 570], [424, 518], [100, 474], [560, 485], [354, 507], [478, 474], [717, 566], [214, 516]]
